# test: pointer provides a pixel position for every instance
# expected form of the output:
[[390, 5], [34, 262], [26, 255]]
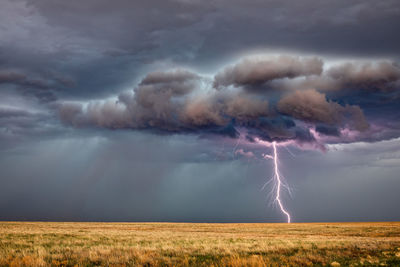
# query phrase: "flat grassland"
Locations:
[[191, 244]]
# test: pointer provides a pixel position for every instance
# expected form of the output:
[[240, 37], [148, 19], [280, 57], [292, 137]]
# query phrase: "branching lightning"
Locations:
[[277, 178]]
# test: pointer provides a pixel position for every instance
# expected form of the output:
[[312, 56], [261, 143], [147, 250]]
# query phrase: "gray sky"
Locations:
[[158, 110]]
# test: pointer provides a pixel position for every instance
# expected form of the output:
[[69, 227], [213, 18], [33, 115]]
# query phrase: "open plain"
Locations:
[[192, 244]]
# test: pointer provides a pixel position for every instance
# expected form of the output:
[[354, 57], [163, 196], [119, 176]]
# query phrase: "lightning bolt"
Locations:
[[277, 177], [278, 184]]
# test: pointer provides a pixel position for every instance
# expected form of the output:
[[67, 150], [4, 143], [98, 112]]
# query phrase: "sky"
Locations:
[[166, 110]]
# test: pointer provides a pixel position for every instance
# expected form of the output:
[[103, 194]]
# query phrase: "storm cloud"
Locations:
[[146, 102], [182, 101], [259, 71], [172, 101], [312, 106]]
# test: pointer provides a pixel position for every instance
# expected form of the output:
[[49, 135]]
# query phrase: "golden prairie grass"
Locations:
[[187, 244]]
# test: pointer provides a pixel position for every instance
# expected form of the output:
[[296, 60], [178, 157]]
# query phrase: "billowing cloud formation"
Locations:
[[312, 106], [172, 101], [181, 101], [380, 75], [259, 71]]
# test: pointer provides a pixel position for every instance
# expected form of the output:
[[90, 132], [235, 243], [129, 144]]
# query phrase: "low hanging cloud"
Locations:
[[182, 101], [171, 101], [382, 75], [255, 71], [40, 87], [379, 75], [312, 106]]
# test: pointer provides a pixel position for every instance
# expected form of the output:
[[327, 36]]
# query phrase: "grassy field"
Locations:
[[186, 244]]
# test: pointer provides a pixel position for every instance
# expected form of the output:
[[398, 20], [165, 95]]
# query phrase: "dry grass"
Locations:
[[185, 244]]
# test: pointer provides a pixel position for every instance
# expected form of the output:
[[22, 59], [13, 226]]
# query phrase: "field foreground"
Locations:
[[187, 244]]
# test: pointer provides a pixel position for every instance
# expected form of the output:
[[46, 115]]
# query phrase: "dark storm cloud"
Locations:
[[256, 72], [327, 130], [178, 77], [84, 41], [18, 125], [42, 88], [9, 112], [312, 106], [154, 103], [375, 76], [170, 101], [372, 75], [181, 101], [152, 65]]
